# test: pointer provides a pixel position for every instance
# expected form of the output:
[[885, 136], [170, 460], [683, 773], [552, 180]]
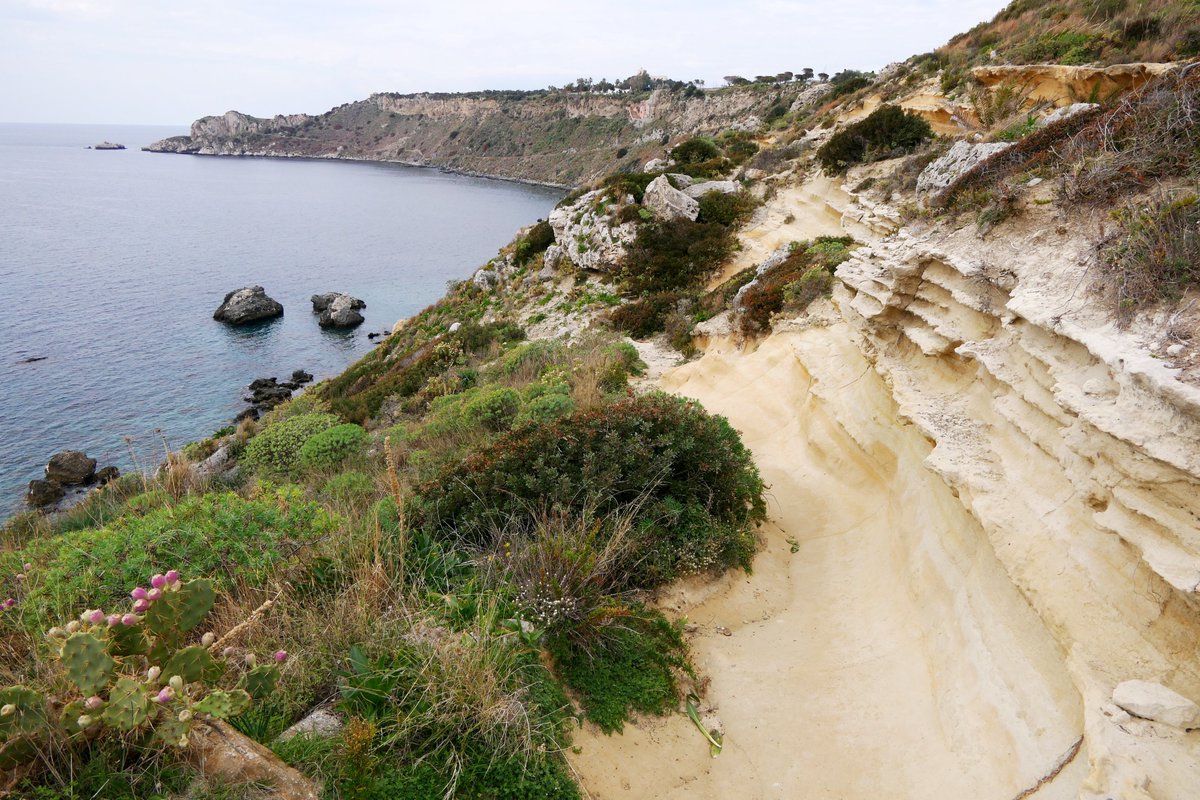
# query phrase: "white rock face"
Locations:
[[698, 190], [656, 164], [1059, 114], [962, 156], [669, 203], [1156, 702], [321, 723], [589, 235]]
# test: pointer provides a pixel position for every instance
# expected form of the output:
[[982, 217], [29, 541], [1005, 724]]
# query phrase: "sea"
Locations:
[[112, 263]]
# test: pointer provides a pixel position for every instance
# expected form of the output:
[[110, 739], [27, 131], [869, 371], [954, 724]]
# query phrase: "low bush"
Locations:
[[634, 668], [805, 275], [695, 151], [727, 209], [545, 408], [675, 255], [540, 237], [329, 448], [694, 485], [887, 132], [494, 409], [276, 448], [645, 316], [348, 488], [1155, 254], [223, 536]]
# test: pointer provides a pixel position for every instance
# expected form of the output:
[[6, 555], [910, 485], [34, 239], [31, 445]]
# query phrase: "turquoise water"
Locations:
[[111, 264]]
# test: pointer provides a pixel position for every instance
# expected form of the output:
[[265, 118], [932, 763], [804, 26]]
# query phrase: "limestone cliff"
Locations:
[[558, 138]]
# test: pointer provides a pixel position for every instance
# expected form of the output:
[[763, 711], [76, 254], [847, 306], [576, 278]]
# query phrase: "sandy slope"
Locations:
[[823, 663]]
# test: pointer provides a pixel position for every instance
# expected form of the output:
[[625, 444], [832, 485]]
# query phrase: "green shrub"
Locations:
[[675, 255], [545, 408], [1156, 253], [221, 536], [645, 316], [887, 132], [691, 480], [632, 669], [276, 448], [727, 209], [540, 237], [347, 487], [847, 82], [329, 448], [695, 151], [494, 409], [805, 275], [628, 183]]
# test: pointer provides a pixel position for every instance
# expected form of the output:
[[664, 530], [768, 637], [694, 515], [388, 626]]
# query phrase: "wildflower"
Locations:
[[139, 593], [10, 602], [20, 576], [141, 606], [228, 652], [28, 566], [280, 656], [164, 694], [185, 715], [176, 683], [7, 710], [73, 626], [154, 594], [208, 638], [129, 619], [158, 581], [91, 704], [54, 633], [250, 659]]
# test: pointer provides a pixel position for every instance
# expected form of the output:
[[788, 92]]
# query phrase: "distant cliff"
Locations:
[[546, 137]]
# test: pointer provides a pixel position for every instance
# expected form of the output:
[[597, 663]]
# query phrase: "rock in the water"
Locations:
[[107, 474], [107, 145], [698, 190], [300, 376], [1155, 701], [249, 413], [266, 393], [337, 310], [243, 306], [669, 203], [44, 493], [936, 177], [70, 467]]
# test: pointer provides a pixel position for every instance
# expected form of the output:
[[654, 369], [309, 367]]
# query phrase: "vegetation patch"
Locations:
[[805, 275], [887, 132], [675, 255], [1155, 254]]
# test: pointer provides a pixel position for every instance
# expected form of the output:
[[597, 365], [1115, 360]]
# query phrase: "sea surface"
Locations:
[[112, 263]]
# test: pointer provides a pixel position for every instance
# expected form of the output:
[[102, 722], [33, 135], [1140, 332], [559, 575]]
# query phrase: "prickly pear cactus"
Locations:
[[193, 664], [179, 611], [16, 752], [128, 706], [260, 681], [224, 704], [127, 640], [87, 662], [27, 715], [171, 730]]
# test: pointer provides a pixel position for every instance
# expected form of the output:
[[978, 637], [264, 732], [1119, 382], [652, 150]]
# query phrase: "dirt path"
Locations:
[[888, 656]]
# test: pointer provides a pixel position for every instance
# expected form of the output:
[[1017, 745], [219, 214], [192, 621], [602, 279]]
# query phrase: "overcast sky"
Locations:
[[169, 62]]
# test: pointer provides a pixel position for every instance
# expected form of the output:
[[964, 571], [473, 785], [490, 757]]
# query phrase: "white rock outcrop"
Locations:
[[936, 177], [669, 203], [589, 234], [698, 190], [1156, 702]]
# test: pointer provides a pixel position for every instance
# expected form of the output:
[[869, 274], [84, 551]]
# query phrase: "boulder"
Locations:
[[266, 393], [70, 467], [44, 493], [337, 310], [300, 376], [657, 164], [1066, 112], [680, 180], [486, 279], [939, 175], [698, 190], [590, 233], [669, 203], [1156, 702], [321, 723], [250, 304], [107, 474]]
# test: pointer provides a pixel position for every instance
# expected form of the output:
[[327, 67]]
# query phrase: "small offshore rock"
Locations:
[[249, 413], [337, 310], [247, 305], [107, 474], [669, 203], [107, 145], [70, 467], [43, 493], [1156, 702], [300, 376], [267, 393]]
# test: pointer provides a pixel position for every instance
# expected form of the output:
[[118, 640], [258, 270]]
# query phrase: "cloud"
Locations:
[[169, 62]]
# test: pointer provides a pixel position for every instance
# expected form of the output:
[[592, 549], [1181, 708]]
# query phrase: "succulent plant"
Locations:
[[224, 705], [87, 662], [22, 712], [193, 664], [260, 681], [128, 706]]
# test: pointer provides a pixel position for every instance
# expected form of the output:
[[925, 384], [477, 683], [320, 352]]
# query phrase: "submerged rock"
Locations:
[[44, 493], [266, 393], [337, 310], [246, 305], [70, 467]]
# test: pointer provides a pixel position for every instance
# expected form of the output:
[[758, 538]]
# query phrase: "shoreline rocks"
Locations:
[[247, 305], [337, 310], [107, 145], [69, 469]]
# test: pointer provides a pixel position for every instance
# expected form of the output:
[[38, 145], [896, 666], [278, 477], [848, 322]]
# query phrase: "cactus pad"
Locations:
[[127, 640], [87, 662], [260, 681], [193, 663], [169, 730], [128, 706], [16, 752], [177, 612], [224, 704], [29, 716]]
